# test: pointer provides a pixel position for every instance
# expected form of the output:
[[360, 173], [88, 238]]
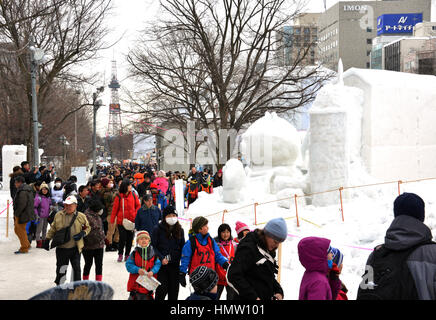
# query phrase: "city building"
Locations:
[[292, 40], [347, 29]]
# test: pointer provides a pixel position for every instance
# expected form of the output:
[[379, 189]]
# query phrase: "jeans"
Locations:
[[41, 227]]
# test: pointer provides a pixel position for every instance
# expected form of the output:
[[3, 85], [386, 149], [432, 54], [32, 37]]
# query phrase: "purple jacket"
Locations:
[[42, 205], [315, 284]]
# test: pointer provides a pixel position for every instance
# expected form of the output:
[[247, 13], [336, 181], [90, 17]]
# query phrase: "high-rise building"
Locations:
[[347, 29], [293, 41]]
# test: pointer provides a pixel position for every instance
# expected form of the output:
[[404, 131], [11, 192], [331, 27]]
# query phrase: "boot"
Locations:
[[115, 245], [86, 277], [120, 258], [99, 277], [39, 244], [126, 257]]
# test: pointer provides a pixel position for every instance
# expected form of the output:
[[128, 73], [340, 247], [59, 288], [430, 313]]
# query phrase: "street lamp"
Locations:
[[96, 105], [37, 56]]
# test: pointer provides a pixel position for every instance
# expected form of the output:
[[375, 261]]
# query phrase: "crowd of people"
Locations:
[[122, 206]]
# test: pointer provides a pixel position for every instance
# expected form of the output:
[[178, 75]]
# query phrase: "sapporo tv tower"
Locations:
[[115, 127]]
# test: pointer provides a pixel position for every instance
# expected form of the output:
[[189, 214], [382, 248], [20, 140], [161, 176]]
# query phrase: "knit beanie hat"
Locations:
[[168, 210], [338, 257], [142, 234], [198, 223], [277, 229], [240, 226], [44, 185], [203, 279], [409, 204]]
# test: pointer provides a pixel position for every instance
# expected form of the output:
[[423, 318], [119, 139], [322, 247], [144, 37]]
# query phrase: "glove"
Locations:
[[79, 236], [226, 265], [182, 279], [46, 244]]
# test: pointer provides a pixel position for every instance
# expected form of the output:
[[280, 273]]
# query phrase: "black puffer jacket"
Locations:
[[167, 246], [23, 204], [252, 272]]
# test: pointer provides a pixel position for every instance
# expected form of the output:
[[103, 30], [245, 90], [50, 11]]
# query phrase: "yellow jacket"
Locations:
[[80, 224]]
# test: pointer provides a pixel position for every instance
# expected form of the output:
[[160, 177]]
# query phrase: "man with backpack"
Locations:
[[404, 267]]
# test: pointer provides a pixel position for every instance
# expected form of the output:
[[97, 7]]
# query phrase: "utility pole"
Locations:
[[96, 104], [33, 69]]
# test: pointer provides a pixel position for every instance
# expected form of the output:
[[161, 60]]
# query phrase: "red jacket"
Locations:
[[131, 207], [132, 285], [227, 250]]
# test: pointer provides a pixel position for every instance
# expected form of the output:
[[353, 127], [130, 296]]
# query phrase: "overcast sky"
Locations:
[[129, 18]]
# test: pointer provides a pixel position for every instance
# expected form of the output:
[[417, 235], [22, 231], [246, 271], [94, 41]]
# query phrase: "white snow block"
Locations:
[[12, 155], [233, 181], [329, 154], [288, 193]]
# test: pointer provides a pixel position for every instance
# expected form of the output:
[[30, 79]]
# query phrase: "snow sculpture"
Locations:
[[12, 155], [233, 181], [335, 138]]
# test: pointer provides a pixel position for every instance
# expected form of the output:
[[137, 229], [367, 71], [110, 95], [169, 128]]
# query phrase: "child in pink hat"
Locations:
[[241, 230]]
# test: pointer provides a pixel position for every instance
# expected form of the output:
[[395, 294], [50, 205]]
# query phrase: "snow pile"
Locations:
[[270, 142], [12, 156], [233, 181]]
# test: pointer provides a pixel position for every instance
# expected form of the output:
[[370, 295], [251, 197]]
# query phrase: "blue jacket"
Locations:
[[147, 219], [133, 268], [164, 246], [187, 252]]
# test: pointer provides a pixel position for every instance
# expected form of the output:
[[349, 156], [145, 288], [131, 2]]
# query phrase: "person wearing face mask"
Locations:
[[57, 192], [168, 239], [112, 235], [148, 216], [318, 282]]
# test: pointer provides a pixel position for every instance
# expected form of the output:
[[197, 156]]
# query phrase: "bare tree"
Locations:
[[70, 32], [212, 62]]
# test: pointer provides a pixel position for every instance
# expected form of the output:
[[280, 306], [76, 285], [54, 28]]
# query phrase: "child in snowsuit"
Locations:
[[142, 261], [227, 248], [200, 250], [316, 256]]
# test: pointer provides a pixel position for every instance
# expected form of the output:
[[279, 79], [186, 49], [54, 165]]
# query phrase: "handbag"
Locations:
[[127, 224], [63, 235]]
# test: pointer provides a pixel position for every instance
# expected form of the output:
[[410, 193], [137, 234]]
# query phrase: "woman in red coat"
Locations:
[[227, 248], [125, 206]]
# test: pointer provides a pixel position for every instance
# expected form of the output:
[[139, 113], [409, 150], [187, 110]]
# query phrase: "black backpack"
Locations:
[[391, 278]]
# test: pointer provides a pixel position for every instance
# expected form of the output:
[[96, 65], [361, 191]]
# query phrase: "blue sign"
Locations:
[[397, 23]]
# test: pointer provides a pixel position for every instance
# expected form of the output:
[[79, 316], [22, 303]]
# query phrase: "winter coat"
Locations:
[[165, 246], [57, 194], [42, 205], [29, 176], [159, 198], [227, 250], [217, 181], [147, 218], [406, 232], [139, 259], [252, 272], [315, 285], [80, 224], [95, 238], [108, 198], [131, 207], [12, 187], [82, 204], [162, 184], [142, 189], [203, 240], [24, 204]]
